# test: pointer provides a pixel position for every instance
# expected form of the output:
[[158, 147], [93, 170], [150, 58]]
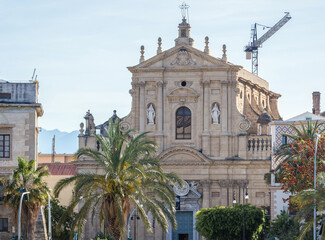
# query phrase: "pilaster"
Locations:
[[142, 106], [206, 193]]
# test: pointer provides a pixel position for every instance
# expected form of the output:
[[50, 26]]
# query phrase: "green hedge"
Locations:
[[226, 223]]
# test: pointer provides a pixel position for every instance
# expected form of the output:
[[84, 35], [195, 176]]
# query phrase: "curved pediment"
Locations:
[[182, 156], [183, 94]]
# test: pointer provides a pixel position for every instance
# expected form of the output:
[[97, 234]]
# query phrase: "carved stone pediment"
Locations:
[[183, 95], [182, 156], [183, 58]]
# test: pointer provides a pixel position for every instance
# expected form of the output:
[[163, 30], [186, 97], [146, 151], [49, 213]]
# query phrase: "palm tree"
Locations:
[[305, 199], [286, 151], [131, 176], [26, 176]]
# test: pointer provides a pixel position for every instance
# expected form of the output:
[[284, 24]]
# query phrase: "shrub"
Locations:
[[226, 223]]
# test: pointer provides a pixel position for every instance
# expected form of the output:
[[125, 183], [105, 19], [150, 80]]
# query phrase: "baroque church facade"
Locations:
[[210, 119]]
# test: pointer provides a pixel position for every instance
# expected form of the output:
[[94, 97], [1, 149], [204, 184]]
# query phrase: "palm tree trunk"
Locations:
[[28, 222]]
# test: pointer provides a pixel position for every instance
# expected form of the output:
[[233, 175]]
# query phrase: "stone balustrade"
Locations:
[[255, 147], [259, 147]]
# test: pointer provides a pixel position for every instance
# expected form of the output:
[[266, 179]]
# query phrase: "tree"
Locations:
[[284, 227], [26, 176], [296, 158], [131, 175], [297, 173], [305, 203], [226, 223], [306, 133], [57, 210]]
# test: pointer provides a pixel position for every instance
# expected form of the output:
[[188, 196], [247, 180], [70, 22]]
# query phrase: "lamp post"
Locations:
[[316, 142], [129, 220], [19, 213], [245, 197], [49, 213]]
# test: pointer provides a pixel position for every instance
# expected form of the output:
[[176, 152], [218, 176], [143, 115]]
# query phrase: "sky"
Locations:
[[82, 48]]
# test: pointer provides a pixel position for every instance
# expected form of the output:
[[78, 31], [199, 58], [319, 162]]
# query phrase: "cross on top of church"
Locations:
[[184, 10]]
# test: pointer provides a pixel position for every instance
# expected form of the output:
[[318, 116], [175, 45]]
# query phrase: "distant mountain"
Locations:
[[64, 142]]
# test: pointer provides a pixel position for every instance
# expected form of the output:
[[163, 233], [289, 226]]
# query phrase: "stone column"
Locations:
[[142, 107], [206, 193], [206, 105], [160, 106], [224, 106], [206, 117]]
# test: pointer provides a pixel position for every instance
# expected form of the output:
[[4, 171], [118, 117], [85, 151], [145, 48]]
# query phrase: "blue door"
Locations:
[[184, 226]]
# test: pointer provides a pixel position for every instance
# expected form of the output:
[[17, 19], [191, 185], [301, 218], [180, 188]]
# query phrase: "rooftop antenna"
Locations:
[[184, 10], [34, 74]]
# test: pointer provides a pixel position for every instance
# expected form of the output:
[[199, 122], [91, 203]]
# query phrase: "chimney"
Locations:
[[53, 149], [316, 103]]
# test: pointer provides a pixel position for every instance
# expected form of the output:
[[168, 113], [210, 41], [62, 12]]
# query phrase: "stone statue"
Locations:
[[151, 114], [215, 113], [90, 125]]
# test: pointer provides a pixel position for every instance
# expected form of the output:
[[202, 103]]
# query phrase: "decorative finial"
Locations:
[[206, 49], [224, 55], [81, 130], [159, 46], [142, 52], [184, 11]]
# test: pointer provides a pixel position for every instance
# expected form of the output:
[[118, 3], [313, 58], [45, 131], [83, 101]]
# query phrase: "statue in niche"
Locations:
[[215, 114], [151, 114]]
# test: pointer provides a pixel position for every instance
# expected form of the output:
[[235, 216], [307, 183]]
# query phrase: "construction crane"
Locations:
[[252, 48]]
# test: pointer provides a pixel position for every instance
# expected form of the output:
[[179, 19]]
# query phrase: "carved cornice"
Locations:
[[161, 84], [205, 83], [232, 183], [205, 183]]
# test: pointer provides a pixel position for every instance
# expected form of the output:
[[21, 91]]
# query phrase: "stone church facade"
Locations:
[[210, 119]]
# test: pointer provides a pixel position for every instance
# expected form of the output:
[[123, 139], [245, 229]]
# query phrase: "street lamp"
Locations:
[[19, 214], [49, 213], [245, 197], [316, 142], [129, 220]]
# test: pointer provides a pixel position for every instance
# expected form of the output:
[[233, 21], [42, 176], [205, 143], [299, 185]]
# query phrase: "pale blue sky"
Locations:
[[81, 48]]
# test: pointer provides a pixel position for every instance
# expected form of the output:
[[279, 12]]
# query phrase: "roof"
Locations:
[[264, 118], [305, 116], [60, 168]]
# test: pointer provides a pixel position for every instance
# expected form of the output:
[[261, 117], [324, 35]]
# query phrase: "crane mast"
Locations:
[[252, 48]]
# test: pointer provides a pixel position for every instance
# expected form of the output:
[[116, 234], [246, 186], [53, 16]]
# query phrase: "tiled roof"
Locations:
[[60, 168]]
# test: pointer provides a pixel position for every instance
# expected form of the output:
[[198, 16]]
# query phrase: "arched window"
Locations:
[[183, 123]]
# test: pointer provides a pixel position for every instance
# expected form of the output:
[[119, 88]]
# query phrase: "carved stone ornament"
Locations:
[[124, 126], [182, 191], [183, 58], [244, 125]]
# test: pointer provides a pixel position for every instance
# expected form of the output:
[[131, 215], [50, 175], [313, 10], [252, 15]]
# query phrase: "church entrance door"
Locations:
[[184, 226]]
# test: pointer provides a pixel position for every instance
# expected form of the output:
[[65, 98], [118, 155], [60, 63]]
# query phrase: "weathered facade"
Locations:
[[210, 119], [19, 112]]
